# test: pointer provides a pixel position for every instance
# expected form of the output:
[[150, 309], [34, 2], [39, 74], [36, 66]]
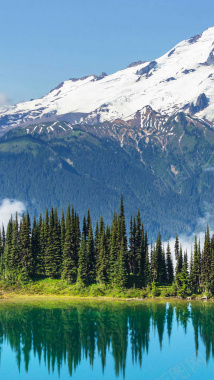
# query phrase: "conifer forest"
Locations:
[[60, 248]]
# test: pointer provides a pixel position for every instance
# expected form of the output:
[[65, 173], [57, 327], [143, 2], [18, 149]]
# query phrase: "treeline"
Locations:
[[58, 248]]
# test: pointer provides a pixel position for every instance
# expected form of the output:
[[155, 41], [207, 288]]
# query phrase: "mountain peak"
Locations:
[[165, 84]]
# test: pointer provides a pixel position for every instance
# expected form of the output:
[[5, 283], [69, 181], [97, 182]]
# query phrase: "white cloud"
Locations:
[[187, 241], [9, 207], [4, 100]]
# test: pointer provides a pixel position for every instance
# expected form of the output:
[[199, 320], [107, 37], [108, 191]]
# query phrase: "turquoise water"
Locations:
[[107, 340]]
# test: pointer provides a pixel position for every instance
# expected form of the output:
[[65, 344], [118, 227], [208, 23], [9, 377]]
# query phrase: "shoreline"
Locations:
[[12, 296]]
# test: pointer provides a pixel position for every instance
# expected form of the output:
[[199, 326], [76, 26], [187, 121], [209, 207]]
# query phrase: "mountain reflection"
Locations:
[[69, 332]]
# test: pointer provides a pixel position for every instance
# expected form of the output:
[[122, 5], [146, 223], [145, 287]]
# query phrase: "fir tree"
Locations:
[[62, 231], [169, 264], [82, 263], [101, 263], [113, 259], [121, 277], [195, 274], [35, 243], [26, 256], [91, 255], [1, 254], [69, 267], [176, 248], [40, 262]]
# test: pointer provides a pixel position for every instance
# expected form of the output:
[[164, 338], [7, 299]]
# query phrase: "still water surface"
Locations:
[[106, 340]]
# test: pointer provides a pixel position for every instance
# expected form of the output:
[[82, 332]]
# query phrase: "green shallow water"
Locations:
[[106, 340]]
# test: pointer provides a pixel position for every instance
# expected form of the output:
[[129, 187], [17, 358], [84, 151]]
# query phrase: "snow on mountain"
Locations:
[[180, 80]]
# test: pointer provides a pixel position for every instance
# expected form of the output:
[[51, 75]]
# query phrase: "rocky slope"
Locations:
[[163, 166], [180, 80]]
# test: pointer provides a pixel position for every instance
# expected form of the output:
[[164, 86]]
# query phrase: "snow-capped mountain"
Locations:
[[180, 80]]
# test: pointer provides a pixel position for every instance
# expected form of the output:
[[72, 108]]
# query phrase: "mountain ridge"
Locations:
[[163, 167], [172, 83]]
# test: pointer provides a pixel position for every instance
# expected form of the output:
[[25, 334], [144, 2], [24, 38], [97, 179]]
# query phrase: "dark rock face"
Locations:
[[188, 71], [133, 64], [201, 103], [170, 79], [76, 79], [147, 69], [194, 39], [101, 76], [210, 60], [58, 87], [171, 52]]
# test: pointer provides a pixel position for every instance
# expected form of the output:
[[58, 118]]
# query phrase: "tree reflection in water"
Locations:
[[68, 332]]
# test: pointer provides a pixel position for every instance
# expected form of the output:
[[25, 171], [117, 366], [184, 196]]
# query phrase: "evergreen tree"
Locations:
[[40, 262], [1, 254], [91, 255], [26, 257], [7, 250], [206, 275], [122, 238], [195, 274], [49, 254], [101, 263], [113, 259], [176, 248], [159, 262], [183, 281], [169, 264], [121, 277], [82, 263], [147, 270], [14, 251], [69, 267], [62, 231], [179, 265], [35, 245]]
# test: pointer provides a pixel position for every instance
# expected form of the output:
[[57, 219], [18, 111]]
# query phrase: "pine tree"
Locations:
[[176, 248], [3, 236], [49, 254], [207, 260], [91, 255], [132, 251], [7, 250], [159, 262], [14, 251], [139, 247], [35, 245], [69, 267], [101, 263], [183, 281], [169, 264], [84, 228], [142, 262], [75, 231], [179, 265], [195, 274], [1, 254], [62, 231], [26, 256], [122, 238], [40, 262], [147, 270], [212, 266], [113, 259], [82, 263], [121, 277]]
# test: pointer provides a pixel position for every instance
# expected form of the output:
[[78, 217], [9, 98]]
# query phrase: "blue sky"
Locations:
[[45, 42]]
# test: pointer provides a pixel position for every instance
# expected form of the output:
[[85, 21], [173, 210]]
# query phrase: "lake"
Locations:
[[106, 340]]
